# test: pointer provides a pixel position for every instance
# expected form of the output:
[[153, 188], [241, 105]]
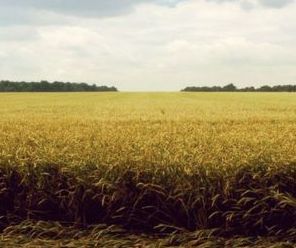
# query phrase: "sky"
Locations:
[[155, 45]]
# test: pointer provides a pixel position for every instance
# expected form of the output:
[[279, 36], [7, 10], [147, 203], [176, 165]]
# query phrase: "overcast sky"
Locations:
[[149, 44]]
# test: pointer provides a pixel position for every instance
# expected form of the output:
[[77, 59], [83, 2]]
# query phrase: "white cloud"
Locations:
[[156, 47], [250, 4]]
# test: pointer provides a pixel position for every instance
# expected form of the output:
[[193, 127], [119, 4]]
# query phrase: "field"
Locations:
[[148, 169]]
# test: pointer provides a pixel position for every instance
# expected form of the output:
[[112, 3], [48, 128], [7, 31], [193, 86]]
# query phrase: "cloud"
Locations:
[[60, 12], [151, 45], [275, 3], [250, 4], [88, 8]]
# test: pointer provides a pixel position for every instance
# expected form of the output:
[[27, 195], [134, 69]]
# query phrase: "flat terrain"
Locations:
[[220, 164]]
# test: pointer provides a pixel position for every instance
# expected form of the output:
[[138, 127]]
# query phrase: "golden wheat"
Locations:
[[164, 161]]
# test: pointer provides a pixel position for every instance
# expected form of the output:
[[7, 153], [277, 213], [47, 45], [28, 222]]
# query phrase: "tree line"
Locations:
[[233, 88], [45, 86]]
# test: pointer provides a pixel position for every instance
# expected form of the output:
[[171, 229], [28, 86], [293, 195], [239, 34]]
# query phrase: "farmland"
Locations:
[[183, 166]]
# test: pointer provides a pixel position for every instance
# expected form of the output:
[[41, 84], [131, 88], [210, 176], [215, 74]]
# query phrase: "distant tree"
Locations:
[[248, 89], [265, 88], [233, 88], [45, 86], [229, 87]]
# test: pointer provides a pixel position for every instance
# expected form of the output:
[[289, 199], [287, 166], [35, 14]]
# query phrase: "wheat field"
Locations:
[[221, 163]]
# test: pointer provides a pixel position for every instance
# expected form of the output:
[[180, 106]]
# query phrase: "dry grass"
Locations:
[[51, 234]]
